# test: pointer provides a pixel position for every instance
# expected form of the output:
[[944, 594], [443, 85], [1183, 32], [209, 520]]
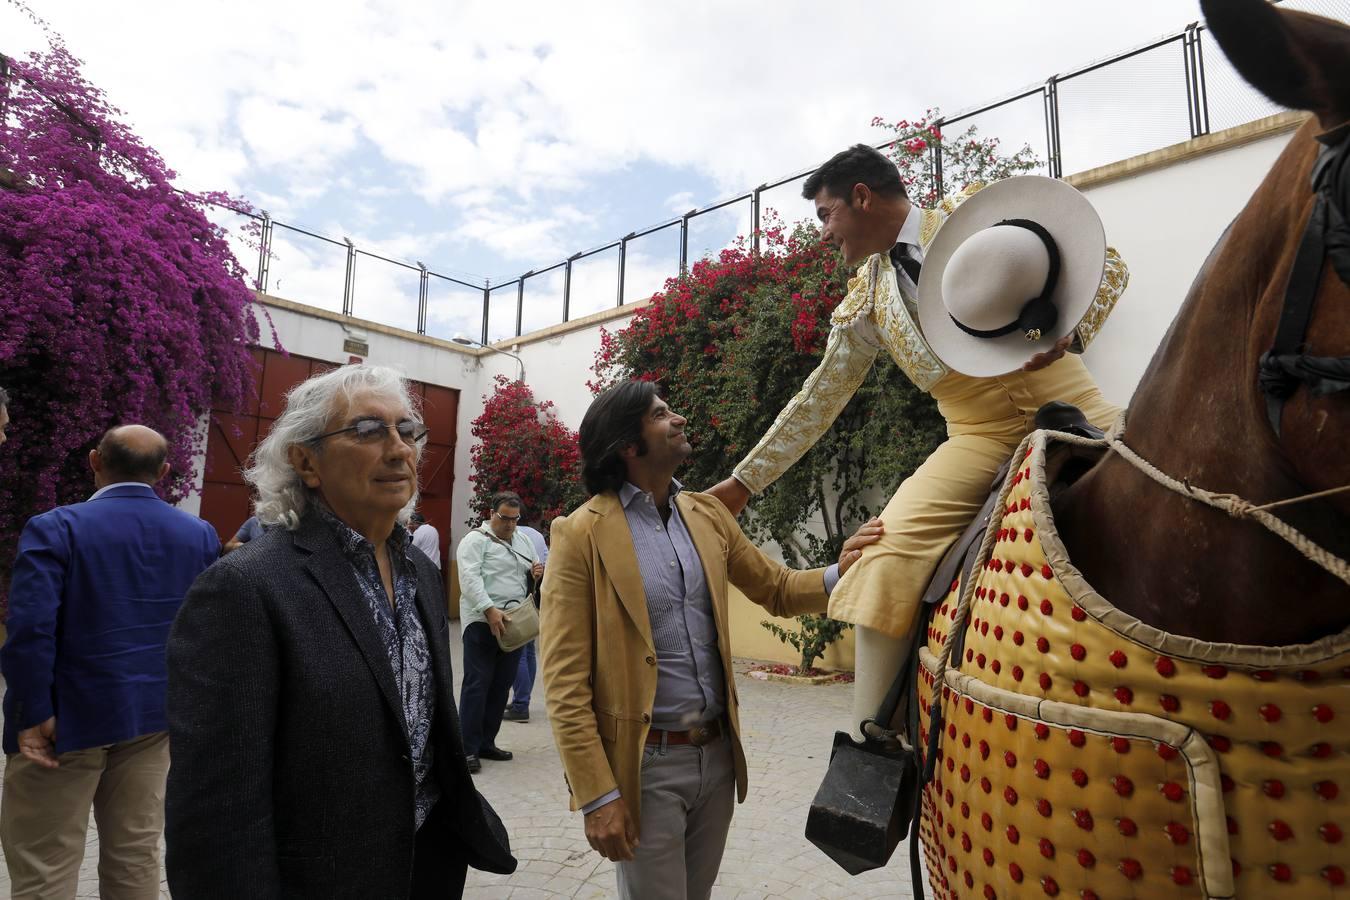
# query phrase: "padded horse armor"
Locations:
[[1087, 754]]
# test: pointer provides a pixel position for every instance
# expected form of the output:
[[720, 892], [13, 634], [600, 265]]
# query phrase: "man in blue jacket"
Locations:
[[94, 590]]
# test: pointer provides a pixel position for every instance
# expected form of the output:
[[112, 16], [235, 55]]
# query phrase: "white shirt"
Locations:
[[108, 487], [427, 539]]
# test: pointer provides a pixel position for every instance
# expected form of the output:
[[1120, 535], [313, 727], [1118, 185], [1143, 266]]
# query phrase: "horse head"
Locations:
[[1300, 321]]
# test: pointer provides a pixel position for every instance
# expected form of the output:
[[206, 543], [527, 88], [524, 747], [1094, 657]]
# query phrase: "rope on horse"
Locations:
[[1232, 504]]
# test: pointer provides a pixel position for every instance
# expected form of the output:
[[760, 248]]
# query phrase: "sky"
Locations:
[[487, 139]]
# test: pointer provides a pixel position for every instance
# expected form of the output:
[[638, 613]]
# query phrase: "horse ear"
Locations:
[[1296, 59]]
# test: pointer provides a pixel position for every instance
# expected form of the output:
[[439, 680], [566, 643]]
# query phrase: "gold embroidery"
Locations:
[[900, 333], [1114, 280], [810, 414]]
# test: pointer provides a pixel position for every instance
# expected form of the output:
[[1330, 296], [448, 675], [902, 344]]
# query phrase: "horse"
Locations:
[[1130, 692]]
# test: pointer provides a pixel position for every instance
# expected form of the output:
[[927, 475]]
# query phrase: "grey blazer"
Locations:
[[290, 772]]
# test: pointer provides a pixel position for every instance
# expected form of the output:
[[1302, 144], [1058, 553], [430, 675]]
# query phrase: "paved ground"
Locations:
[[787, 734]]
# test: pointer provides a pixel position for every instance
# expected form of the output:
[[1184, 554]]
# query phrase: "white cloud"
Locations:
[[501, 115], [294, 137], [541, 95], [539, 238]]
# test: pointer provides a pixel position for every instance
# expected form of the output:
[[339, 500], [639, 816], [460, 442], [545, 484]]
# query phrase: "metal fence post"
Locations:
[[623, 263], [684, 241], [487, 302], [1051, 98], [349, 283], [1193, 62], [4, 84], [423, 292], [567, 286], [264, 251], [520, 301], [936, 147], [755, 218]]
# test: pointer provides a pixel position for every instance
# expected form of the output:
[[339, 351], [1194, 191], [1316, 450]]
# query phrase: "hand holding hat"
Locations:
[[1011, 271]]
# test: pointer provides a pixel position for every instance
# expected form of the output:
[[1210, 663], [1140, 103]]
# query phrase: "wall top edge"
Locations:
[[351, 322], [1216, 142]]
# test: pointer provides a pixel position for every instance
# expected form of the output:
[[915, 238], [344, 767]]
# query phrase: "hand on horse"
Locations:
[[1054, 354], [732, 493], [611, 832], [868, 533]]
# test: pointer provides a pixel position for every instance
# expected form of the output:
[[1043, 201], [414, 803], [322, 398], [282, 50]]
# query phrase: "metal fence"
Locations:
[[1178, 87]]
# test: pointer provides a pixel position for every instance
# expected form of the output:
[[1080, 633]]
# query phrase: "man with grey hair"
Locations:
[[316, 747], [94, 590]]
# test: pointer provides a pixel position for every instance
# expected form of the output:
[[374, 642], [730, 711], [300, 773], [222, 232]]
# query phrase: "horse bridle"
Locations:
[[1284, 367]]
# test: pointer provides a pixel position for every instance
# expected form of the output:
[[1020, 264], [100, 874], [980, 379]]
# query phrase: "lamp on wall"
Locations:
[[470, 342]]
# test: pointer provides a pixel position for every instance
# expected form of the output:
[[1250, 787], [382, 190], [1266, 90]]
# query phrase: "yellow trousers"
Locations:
[[986, 420]]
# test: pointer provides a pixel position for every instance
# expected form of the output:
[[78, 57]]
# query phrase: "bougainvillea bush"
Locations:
[[732, 341], [119, 300], [523, 447]]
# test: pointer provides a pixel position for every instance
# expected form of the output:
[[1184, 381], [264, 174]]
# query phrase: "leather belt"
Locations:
[[698, 735]]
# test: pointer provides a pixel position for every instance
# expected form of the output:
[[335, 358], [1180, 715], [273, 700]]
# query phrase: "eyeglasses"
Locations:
[[372, 431], [515, 518]]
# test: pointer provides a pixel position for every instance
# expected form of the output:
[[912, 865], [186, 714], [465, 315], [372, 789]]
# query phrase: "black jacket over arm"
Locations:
[[291, 774]]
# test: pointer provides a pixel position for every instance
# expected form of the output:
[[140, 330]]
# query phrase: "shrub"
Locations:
[[119, 300], [523, 447]]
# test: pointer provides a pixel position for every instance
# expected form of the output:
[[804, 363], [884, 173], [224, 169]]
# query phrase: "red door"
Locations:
[[233, 435]]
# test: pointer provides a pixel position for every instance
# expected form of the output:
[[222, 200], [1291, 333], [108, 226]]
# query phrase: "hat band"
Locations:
[[1039, 314]]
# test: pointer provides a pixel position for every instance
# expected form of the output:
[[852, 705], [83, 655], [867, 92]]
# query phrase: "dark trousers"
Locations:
[[524, 684], [488, 673]]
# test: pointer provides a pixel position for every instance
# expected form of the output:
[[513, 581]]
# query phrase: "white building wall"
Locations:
[[1164, 223]]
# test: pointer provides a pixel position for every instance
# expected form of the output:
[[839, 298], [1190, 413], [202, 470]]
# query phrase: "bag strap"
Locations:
[[493, 537]]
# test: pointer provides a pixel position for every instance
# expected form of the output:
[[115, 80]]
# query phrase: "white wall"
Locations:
[[1164, 223]]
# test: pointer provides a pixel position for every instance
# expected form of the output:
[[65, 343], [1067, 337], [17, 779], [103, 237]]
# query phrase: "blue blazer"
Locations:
[[94, 590]]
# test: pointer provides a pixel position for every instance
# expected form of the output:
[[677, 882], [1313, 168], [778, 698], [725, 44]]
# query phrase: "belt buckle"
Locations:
[[700, 735]]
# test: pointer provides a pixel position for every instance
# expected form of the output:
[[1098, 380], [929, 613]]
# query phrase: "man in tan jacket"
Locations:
[[636, 651]]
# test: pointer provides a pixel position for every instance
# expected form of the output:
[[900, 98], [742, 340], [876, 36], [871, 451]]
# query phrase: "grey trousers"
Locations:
[[688, 794]]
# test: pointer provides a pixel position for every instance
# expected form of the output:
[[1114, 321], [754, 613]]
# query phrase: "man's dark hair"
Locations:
[[859, 164], [613, 421], [510, 498], [4, 397], [122, 463]]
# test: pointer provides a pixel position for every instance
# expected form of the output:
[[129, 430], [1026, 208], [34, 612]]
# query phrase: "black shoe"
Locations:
[[514, 715], [474, 764], [494, 753]]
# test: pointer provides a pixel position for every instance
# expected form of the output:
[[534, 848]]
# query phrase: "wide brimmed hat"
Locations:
[[1011, 270]]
